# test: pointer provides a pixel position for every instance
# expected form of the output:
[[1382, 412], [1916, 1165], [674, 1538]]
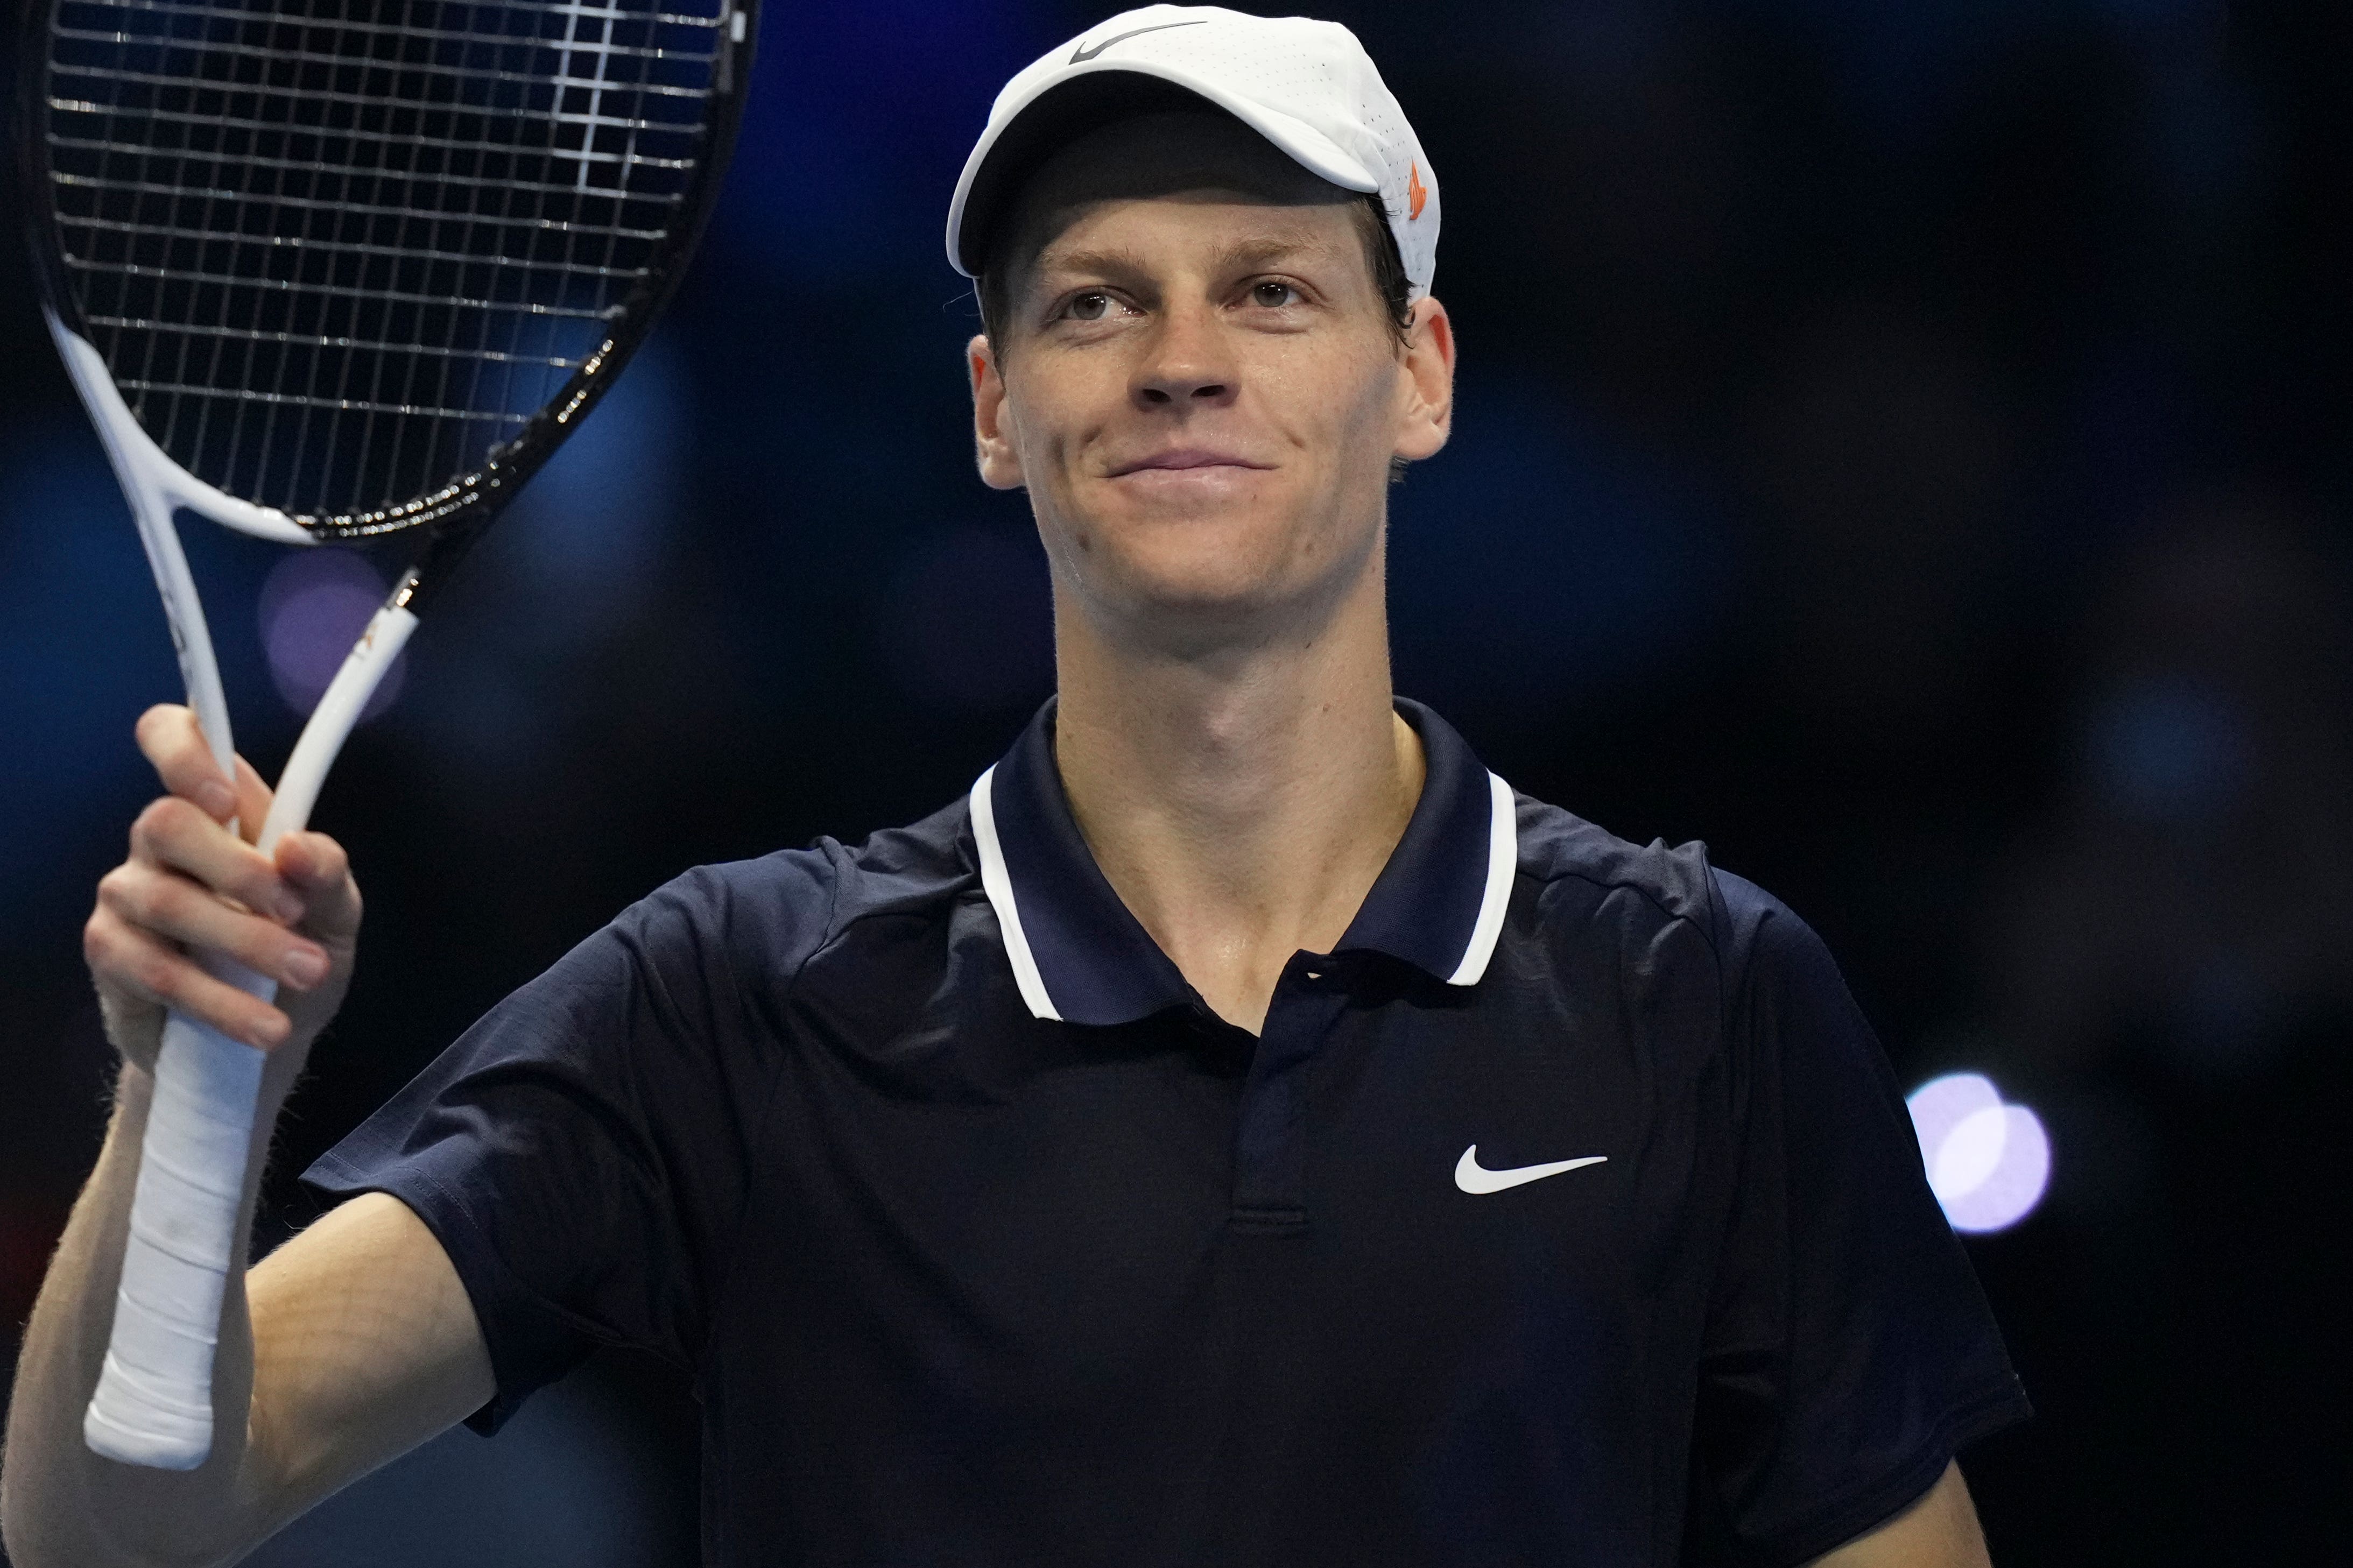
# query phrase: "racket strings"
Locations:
[[336, 253]]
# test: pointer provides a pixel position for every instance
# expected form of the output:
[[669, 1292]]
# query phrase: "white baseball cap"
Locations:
[[1308, 87]]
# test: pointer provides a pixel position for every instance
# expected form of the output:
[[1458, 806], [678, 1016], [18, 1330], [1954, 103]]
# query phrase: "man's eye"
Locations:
[[1272, 295], [1091, 306]]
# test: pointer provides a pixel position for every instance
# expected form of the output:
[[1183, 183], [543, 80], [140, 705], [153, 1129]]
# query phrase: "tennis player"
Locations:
[[1240, 1132]]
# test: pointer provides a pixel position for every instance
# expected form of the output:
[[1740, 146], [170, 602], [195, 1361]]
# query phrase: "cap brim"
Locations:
[[1092, 97]]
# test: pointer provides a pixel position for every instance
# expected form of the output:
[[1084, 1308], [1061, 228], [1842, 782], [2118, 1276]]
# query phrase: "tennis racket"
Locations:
[[330, 270]]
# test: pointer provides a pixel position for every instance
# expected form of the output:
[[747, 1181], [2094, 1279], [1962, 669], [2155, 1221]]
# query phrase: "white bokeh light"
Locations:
[[1988, 1163]]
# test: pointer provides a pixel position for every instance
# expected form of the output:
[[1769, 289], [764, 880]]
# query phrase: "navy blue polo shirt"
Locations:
[[1566, 1213]]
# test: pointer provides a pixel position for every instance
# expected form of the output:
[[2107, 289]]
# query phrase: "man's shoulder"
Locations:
[[1579, 862], [1558, 846], [803, 899]]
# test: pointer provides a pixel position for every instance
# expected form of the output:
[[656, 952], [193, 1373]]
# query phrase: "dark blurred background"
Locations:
[[1901, 442]]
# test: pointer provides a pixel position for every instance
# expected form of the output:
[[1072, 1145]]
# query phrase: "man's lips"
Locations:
[[1181, 457]]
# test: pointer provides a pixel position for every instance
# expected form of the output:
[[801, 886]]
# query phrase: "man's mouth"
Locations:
[[1180, 457]]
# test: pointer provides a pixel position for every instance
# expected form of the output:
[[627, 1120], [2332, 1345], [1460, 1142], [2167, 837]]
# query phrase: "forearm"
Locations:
[[64, 1505]]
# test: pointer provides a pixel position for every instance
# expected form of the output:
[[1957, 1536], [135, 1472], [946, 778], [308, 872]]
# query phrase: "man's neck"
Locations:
[[1240, 805]]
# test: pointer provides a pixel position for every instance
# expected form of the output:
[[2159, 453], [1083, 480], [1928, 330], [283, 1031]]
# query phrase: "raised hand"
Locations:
[[192, 883]]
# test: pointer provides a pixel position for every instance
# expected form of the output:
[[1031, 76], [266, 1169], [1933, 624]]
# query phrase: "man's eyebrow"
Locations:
[[1266, 252], [1108, 262], [1245, 254]]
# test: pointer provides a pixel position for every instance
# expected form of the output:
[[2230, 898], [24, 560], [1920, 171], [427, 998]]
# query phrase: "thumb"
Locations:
[[319, 871], [253, 797]]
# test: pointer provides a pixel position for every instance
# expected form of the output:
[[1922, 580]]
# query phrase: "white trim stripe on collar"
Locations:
[[1503, 862], [998, 883]]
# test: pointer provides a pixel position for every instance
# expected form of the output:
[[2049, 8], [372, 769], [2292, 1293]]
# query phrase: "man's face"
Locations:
[[1196, 380]]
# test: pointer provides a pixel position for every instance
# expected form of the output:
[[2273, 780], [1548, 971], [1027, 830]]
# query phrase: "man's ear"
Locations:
[[1426, 408], [993, 448]]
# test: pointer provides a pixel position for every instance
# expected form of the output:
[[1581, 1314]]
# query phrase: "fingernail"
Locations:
[[288, 906], [304, 968], [217, 800]]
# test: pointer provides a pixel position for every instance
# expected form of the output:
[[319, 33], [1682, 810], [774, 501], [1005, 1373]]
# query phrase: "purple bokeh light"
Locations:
[[1988, 1163], [314, 604]]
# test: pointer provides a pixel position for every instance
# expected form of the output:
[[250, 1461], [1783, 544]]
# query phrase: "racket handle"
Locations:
[[154, 1400], [153, 1405]]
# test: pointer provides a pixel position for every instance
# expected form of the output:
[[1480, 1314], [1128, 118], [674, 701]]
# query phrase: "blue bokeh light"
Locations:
[[853, 107], [1535, 566]]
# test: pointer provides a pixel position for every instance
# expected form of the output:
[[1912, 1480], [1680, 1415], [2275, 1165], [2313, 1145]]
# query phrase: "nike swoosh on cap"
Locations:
[[1472, 1177], [1082, 54]]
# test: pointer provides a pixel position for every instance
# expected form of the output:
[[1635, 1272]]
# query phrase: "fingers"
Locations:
[[141, 964], [169, 737], [174, 833], [173, 742], [191, 887], [162, 903]]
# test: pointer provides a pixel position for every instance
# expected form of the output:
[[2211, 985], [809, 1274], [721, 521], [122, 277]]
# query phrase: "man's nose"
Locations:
[[1187, 363]]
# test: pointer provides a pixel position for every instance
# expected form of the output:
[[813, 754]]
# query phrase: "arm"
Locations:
[[1850, 1352], [1939, 1531], [353, 1342]]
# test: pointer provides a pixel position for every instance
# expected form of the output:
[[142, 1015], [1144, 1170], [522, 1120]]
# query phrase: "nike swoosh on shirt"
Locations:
[[1083, 54], [1473, 1177]]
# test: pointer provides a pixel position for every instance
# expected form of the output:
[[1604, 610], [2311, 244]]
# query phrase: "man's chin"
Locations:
[[1199, 603], [1218, 569]]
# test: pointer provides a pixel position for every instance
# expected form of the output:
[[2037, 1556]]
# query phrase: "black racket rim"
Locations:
[[467, 502]]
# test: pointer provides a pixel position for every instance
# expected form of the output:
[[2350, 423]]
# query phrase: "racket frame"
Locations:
[[467, 500], [208, 1086]]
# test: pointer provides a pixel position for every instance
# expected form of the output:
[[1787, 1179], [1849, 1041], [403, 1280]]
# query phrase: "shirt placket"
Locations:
[[1270, 1141]]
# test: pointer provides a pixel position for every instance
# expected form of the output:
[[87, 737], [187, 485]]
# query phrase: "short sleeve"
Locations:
[[1849, 1351], [583, 1152]]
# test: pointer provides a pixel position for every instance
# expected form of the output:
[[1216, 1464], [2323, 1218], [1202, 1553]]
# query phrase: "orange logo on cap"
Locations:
[[1416, 192]]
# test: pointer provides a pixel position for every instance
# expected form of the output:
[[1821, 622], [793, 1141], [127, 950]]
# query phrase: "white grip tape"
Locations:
[[153, 1404]]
